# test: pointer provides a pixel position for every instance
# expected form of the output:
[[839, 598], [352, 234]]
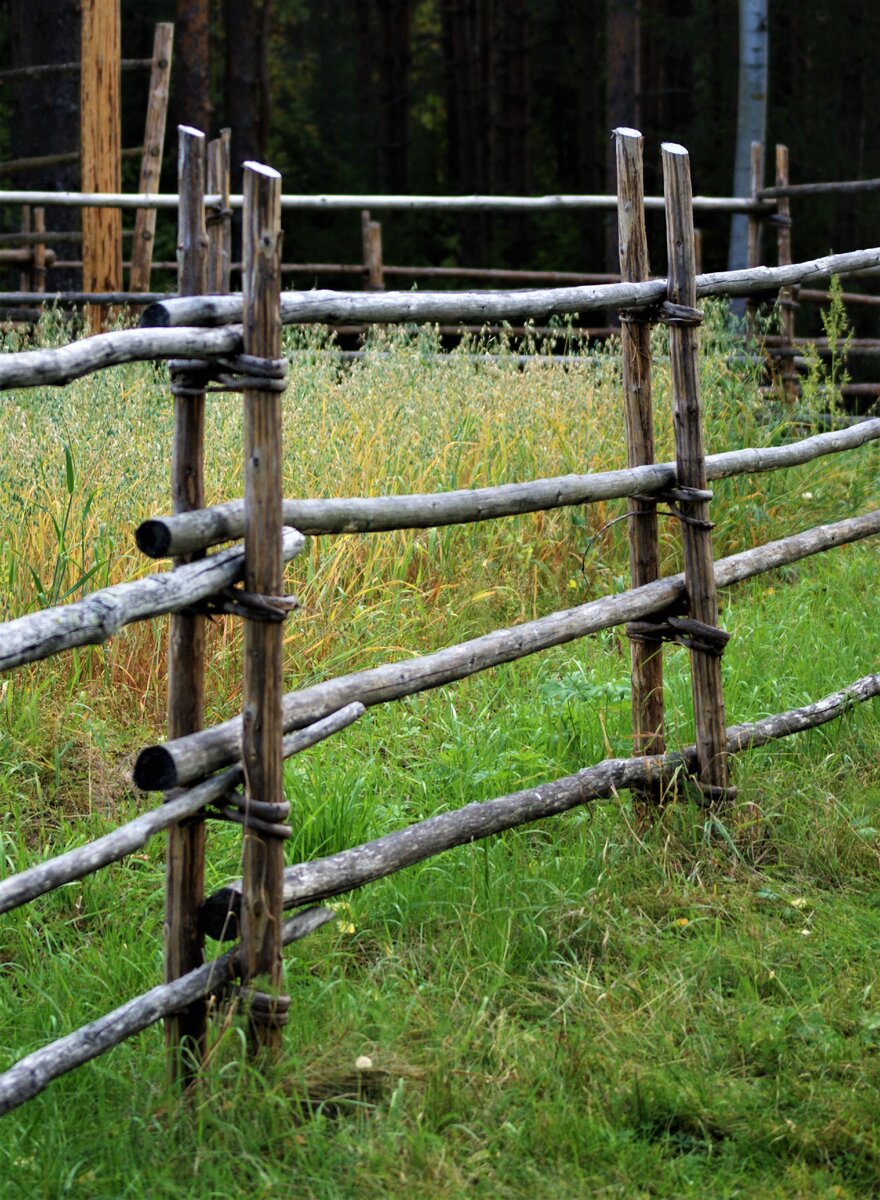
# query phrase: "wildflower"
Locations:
[[682, 921], [345, 926], [800, 902]]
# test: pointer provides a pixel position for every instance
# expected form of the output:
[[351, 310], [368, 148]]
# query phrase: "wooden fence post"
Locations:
[[706, 641], [372, 235], [24, 276], [38, 263], [220, 220], [185, 869], [635, 334], [151, 161], [100, 148], [754, 224], [262, 889], [787, 302]]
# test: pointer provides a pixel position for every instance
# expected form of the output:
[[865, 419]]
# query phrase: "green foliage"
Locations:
[[585, 1006]]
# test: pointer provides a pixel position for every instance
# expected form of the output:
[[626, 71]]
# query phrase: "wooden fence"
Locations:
[[202, 771]]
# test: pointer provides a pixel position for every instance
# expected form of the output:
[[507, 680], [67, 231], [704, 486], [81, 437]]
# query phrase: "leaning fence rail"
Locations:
[[211, 764]]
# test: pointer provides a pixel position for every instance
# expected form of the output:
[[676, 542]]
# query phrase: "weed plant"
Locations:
[[590, 1006]]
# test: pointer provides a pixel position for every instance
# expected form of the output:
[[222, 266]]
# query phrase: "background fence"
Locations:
[[233, 343]]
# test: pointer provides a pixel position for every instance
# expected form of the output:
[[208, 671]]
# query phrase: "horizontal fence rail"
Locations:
[[322, 878], [28, 1077], [161, 537], [328, 203], [340, 308], [98, 616], [165, 333], [191, 758], [85, 860]]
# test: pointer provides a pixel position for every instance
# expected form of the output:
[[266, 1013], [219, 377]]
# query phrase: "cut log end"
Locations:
[[190, 131], [623, 131], [155, 770], [673, 148], [155, 316], [220, 914], [262, 169], [153, 538]]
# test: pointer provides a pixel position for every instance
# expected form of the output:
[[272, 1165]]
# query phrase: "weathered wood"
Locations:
[[41, 256], [326, 203], [99, 146], [263, 641], [786, 301], [71, 68], [322, 878], [27, 259], [845, 188], [753, 247], [163, 537], [220, 219], [696, 529], [28, 1077], [341, 308], [372, 242], [186, 1031], [151, 161], [35, 368], [97, 617], [195, 757], [635, 338], [13, 165], [85, 860]]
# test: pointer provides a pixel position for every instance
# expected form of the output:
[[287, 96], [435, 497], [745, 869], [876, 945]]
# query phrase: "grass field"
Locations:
[[583, 1007]]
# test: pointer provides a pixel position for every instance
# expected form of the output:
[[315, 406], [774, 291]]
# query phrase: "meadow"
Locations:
[[596, 1005]]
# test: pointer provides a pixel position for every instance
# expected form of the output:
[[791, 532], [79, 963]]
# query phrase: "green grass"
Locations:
[[583, 1007]]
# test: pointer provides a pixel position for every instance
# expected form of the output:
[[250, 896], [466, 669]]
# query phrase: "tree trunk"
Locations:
[[191, 69], [395, 68], [751, 114], [622, 106]]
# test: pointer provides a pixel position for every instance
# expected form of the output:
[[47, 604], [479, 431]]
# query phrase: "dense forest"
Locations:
[[458, 96]]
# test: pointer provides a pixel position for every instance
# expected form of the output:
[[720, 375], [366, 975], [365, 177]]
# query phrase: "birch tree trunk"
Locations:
[[751, 114]]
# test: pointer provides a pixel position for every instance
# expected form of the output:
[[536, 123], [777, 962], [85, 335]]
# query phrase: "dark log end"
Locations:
[[155, 316], [219, 915], [155, 770], [153, 538]]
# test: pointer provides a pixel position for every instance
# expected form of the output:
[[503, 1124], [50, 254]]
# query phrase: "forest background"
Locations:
[[460, 96]]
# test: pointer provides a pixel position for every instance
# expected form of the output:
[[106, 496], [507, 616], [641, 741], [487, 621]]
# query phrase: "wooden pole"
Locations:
[[691, 466], [40, 260], [220, 220], [644, 555], [151, 161], [787, 303], [263, 641], [24, 277], [754, 222], [184, 888], [372, 234], [100, 145]]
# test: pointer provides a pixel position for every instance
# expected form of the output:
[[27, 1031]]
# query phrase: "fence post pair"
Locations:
[[262, 691], [689, 499]]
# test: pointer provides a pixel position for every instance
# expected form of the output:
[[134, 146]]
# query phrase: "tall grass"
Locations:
[[580, 1007]]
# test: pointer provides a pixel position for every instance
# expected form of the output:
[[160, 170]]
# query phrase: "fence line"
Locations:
[[32, 1074], [323, 878], [175, 764], [165, 537], [98, 616], [654, 608], [126, 839], [360, 865]]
